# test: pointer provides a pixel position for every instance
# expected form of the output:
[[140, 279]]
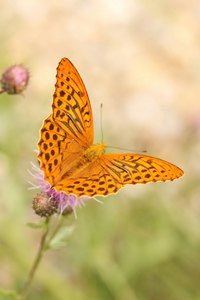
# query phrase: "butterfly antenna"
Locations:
[[101, 121], [126, 149]]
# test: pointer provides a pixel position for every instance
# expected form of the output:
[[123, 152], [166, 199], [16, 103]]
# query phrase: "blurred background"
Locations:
[[141, 59]]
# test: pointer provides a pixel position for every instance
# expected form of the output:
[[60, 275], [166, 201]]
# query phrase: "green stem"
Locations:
[[56, 229], [36, 262]]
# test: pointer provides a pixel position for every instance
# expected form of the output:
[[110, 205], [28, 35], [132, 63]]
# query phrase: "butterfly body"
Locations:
[[72, 163]]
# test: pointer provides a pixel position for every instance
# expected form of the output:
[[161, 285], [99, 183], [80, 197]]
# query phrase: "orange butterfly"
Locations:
[[72, 163]]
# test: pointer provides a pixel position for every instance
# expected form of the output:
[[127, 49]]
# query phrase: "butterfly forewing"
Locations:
[[136, 168], [71, 105], [69, 130]]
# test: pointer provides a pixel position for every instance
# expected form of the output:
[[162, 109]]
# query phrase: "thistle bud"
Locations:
[[44, 206], [14, 80]]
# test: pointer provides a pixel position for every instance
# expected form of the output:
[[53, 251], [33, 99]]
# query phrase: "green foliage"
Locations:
[[60, 239], [7, 295]]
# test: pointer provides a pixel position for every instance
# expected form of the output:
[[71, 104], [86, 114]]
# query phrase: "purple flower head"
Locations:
[[64, 201], [15, 79]]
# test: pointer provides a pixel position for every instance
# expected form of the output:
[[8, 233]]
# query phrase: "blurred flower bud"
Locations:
[[44, 206], [14, 80]]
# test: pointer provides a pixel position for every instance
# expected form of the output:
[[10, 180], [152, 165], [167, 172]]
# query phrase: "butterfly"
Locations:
[[72, 163]]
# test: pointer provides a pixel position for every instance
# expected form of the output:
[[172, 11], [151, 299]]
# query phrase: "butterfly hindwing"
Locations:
[[92, 181], [57, 149]]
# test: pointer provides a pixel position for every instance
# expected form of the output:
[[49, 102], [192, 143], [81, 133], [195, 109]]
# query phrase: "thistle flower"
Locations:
[[14, 80], [64, 203]]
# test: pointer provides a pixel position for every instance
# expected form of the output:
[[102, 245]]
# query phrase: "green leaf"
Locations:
[[39, 225], [60, 240], [8, 295]]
